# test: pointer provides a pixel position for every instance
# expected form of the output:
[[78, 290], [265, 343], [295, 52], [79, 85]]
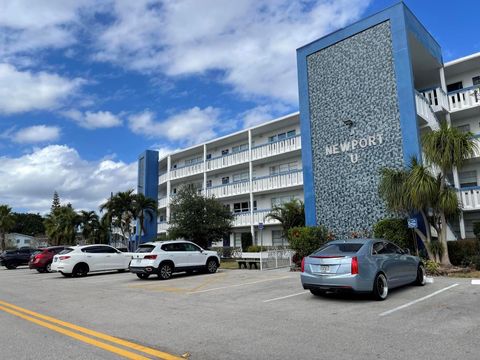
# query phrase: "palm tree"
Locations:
[[90, 224], [61, 225], [7, 222], [120, 211], [447, 148], [289, 214], [144, 206]]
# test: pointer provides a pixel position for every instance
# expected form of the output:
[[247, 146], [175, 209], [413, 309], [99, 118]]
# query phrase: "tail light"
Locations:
[[354, 269], [150, 257], [303, 264], [63, 257], [39, 256]]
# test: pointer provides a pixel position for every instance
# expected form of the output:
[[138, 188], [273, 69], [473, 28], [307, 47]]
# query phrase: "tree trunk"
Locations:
[[426, 243], [442, 237], [3, 245], [427, 238]]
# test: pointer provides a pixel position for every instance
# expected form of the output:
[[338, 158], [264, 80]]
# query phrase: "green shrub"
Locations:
[[461, 252], [246, 240], [256, 248], [305, 240], [396, 231], [432, 267], [476, 230]]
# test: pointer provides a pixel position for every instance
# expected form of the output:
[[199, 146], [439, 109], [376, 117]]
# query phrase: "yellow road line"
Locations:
[[99, 344], [125, 343], [208, 282]]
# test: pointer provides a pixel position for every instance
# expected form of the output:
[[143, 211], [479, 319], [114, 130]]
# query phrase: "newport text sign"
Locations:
[[351, 146]]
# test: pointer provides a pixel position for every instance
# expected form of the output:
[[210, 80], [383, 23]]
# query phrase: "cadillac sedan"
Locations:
[[361, 265]]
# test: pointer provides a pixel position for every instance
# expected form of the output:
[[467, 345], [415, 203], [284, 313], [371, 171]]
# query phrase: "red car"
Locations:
[[42, 261]]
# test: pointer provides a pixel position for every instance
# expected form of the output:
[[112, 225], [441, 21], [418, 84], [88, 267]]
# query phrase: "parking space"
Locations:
[[246, 314]]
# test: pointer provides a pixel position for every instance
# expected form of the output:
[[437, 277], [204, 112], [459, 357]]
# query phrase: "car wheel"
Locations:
[[165, 271], [380, 287], [48, 268], [41, 270], [212, 266], [80, 270], [421, 276], [317, 292], [65, 274], [143, 276]]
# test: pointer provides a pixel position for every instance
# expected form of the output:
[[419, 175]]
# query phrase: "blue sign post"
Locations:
[[412, 223]]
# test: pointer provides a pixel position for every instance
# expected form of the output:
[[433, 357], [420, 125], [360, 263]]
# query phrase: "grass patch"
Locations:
[[469, 275], [228, 264]]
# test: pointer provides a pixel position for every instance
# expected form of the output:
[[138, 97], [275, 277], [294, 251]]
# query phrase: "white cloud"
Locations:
[[23, 91], [93, 120], [36, 134], [28, 181], [261, 114], [252, 42], [188, 127]]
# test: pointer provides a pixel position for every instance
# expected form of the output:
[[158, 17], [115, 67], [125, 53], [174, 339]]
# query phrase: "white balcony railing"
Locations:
[[273, 182], [162, 202], [276, 147], [437, 98], [464, 98], [259, 216], [470, 198], [186, 171], [162, 226], [227, 160], [236, 188], [425, 111], [163, 178]]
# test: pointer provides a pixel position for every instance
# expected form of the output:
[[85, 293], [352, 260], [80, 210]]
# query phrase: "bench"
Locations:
[[251, 263]]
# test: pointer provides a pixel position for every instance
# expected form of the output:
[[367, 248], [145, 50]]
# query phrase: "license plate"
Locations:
[[324, 268]]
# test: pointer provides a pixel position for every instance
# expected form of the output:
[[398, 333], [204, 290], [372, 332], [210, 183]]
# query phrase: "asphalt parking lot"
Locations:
[[233, 314]]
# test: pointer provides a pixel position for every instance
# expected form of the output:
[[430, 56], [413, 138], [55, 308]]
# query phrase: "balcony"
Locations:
[[470, 198], [464, 99], [162, 202], [276, 147], [273, 182], [163, 178], [162, 226], [186, 170], [244, 219], [227, 160], [437, 98], [233, 189], [425, 111]]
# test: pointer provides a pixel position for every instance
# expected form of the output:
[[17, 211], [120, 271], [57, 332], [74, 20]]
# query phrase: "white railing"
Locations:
[[437, 98], [242, 219], [236, 188], [162, 202], [273, 182], [464, 98], [470, 198], [227, 160], [163, 178], [276, 147], [186, 171], [259, 216], [162, 226], [425, 111]]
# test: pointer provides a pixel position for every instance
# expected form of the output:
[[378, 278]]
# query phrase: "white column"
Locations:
[[204, 169], [456, 182], [250, 177], [169, 165], [443, 83]]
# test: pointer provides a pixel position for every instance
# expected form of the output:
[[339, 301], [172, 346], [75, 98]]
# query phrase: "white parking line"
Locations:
[[237, 285], [286, 297], [429, 280], [418, 300], [475, 282]]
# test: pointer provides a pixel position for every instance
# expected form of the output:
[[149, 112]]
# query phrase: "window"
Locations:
[[243, 176], [476, 80], [174, 247], [209, 183], [242, 207], [237, 239], [338, 249], [278, 239], [227, 207], [174, 166], [191, 247], [468, 178], [225, 180], [291, 133], [272, 138], [145, 248], [224, 152], [283, 168], [464, 128], [455, 86], [174, 190], [282, 136], [194, 160], [239, 148], [161, 218], [209, 156]]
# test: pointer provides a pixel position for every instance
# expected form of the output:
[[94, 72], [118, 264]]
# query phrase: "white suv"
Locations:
[[166, 257]]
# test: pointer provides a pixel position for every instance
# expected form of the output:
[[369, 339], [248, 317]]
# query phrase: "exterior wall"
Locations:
[[262, 139], [465, 78], [20, 240]]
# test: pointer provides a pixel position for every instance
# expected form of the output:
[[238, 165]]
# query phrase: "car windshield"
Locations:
[[338, 249], [65, 251], [145, 248]]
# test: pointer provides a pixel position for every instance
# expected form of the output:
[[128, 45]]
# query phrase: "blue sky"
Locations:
[[85, 86]]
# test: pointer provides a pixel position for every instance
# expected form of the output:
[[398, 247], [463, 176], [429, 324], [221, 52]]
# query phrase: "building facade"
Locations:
[[367, 94]]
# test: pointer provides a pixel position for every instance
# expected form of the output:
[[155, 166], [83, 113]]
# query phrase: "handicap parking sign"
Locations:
[[412, 223]]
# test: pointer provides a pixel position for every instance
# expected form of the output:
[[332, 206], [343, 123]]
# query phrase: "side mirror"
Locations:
[[407, 251]]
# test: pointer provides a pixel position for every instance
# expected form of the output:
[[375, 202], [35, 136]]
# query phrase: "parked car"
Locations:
[[17, 257], [368, 265], [167, 257], [43, 260], [80, 260]]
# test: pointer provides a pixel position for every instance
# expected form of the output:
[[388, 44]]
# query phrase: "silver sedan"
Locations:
[[361, 265]]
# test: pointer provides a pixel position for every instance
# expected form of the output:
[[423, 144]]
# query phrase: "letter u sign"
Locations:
[[353, 158]]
